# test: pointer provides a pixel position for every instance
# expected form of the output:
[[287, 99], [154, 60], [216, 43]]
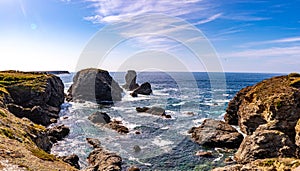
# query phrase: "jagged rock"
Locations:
[[35, 114], [214, 133], [57, 133], [95, 85], [117, 126], [144, 89], [102, 160], [94, 142], [297, 138], [99, 118], [72, 160], [130, 79], [265, 144], [231, 116]]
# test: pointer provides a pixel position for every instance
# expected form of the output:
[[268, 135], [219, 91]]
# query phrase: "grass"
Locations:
[[7, 132], [39, 153]]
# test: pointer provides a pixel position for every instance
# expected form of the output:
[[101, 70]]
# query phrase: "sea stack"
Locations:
[[95, 85], [130, 79]]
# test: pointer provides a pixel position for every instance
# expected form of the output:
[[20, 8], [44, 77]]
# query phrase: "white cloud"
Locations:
[[209, 19]]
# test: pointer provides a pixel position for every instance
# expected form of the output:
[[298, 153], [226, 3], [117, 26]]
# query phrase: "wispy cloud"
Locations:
[[266, 52], [209, 19], [275, 41], [110, 11]]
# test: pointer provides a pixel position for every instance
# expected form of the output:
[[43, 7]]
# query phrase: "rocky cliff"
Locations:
[[26, 100]]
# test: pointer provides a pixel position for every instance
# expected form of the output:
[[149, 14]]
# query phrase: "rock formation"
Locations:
[[269, 114], [144, 89], [100, 159], [95, 85], [102, 118], [130, 79], [154, 111], [214, 133]]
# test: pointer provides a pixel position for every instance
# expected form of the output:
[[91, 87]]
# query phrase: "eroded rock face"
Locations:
[[231, 116], [36, 96], [130, 79], [275, 100], [265, 144], [72, 160], [95, 85], [102, 160], [158, 111], [214, 133]]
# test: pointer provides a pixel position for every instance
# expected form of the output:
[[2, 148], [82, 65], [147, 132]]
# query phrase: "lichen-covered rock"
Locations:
[[297, 129], [275, 100], [95, 85], [144, 89], [102, 160], [130, 79], [214, 133], [265, 144], [270, 164]]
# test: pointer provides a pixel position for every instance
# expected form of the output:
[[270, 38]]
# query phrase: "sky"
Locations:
[[161, 35]]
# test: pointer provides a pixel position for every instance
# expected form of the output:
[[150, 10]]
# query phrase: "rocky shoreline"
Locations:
[[267, 114]]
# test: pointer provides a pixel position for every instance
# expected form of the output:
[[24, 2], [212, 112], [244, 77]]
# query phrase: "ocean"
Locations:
[[165, 144]]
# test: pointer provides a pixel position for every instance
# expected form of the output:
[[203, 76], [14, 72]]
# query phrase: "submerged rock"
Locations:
[[100, 159], [144, 89], [214, 133], [130, 79], [95, 85], [117, 126]]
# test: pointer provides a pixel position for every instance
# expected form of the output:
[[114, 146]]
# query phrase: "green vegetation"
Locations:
[[294, 75], [268, 162], [7, 132], [42, 154]]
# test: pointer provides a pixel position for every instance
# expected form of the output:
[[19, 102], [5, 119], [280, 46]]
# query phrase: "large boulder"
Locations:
[[130, 79], [215, 133], [34, 95], [144, 89], [265, 143], [95, 85], [275, 100], [100, 159], [57, 133]]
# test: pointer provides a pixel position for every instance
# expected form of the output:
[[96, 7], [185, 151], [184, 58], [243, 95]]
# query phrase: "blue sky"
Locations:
[[248, 36]]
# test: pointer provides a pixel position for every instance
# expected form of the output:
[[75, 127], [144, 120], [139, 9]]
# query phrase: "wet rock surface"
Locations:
[[144, 89], [130, 79], [215, 133]]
